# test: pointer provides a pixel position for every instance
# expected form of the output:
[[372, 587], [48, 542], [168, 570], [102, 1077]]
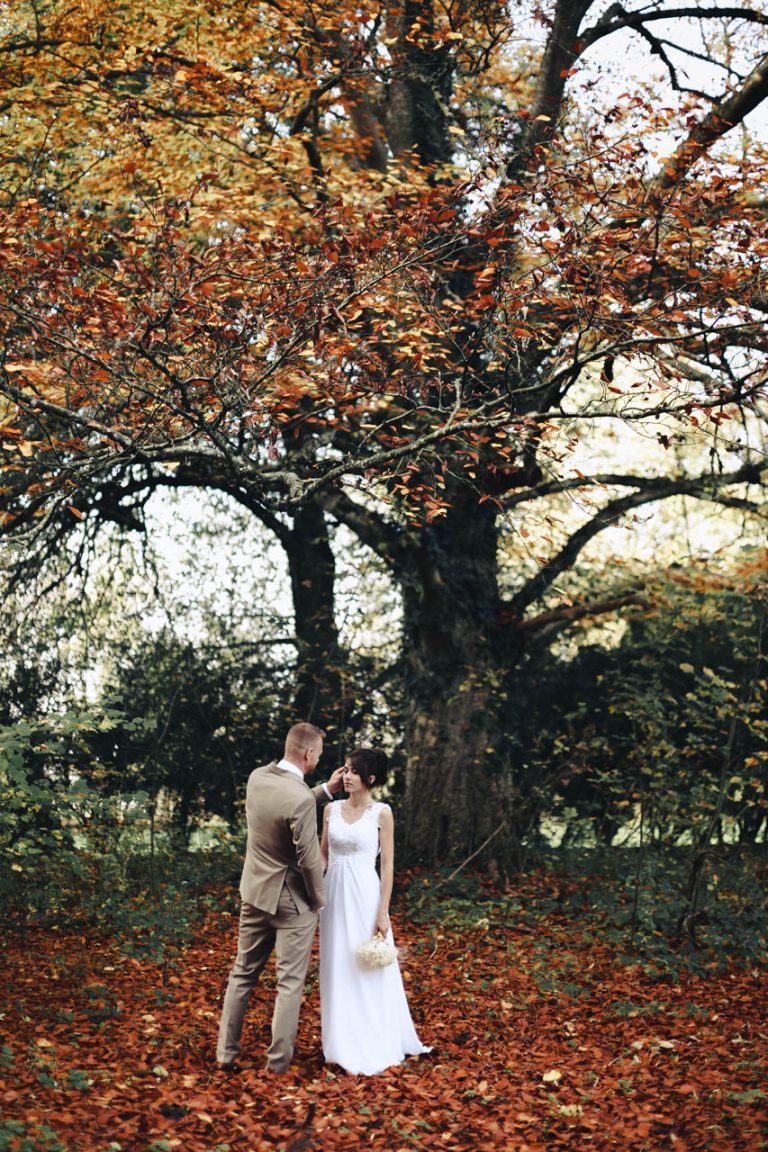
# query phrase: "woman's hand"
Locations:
[[383, 924]]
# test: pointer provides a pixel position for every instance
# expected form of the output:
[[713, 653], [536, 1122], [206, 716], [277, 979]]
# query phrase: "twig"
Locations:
[[463, 864]]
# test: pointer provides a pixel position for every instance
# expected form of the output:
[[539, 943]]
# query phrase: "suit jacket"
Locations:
[[283, 846]]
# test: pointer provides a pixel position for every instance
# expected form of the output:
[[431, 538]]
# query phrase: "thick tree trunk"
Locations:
[[319, 695], [457, 781], [458, 788]]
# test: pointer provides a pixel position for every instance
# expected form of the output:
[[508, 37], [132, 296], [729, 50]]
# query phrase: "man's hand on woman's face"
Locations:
[[336, 780]]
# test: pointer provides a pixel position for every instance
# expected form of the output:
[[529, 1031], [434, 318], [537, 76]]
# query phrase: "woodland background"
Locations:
[[399, 367]]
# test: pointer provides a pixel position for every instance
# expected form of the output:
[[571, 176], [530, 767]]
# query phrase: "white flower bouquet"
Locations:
[[376, 953]]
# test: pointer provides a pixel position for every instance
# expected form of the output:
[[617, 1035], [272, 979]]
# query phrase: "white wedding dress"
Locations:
[[366, 1023]]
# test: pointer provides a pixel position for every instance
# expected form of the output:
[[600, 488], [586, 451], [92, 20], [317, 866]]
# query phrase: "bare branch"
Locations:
[[547, 624], [559, 56], [387, 540], [703, 487], [617, 17], [730, 111]]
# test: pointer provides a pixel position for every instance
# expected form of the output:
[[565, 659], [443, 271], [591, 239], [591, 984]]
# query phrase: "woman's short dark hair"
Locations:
[[369, 762]]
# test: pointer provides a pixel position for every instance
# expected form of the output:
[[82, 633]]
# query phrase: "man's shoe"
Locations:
[[229, 1066]]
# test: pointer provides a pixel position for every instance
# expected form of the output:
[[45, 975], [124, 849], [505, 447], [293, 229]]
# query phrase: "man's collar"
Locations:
[[288, 767]]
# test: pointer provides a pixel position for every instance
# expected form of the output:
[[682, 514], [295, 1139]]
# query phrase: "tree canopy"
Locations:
[[394, 268]]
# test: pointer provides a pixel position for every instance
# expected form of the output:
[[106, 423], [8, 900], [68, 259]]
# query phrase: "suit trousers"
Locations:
[[289, 932]]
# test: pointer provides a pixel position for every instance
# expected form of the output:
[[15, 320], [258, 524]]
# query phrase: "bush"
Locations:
[[67, 851]]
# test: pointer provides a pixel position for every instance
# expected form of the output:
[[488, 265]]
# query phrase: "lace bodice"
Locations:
[[358, 840]]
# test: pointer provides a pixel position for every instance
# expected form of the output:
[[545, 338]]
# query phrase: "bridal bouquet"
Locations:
[[376, 953]]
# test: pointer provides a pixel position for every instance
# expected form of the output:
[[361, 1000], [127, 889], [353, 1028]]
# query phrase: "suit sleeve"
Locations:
[[303, 824], [320, 795]]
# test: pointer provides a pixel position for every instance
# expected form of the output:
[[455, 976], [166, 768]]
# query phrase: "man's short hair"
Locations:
[[303, 735]]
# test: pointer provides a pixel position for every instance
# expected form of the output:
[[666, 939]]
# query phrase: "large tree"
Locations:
[[386, 267]]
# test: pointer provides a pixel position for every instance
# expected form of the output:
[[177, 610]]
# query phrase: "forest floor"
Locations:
[[542, 1039]]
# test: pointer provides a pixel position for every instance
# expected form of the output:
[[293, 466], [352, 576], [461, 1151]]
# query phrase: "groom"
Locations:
[[282, 892]]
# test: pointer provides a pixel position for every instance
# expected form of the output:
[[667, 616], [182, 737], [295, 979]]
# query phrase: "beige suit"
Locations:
[[282, 890]]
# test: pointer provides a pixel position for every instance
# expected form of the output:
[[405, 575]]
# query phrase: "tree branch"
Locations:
[[388, 541], [617, 17], [547, 624], [559, 56], [731, 110], [652, 490]]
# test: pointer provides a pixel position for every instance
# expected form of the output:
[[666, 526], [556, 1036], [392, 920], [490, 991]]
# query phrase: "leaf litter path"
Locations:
[[541, 1041]]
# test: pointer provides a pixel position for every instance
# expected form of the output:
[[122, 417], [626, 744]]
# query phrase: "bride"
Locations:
[[366, 1024]]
